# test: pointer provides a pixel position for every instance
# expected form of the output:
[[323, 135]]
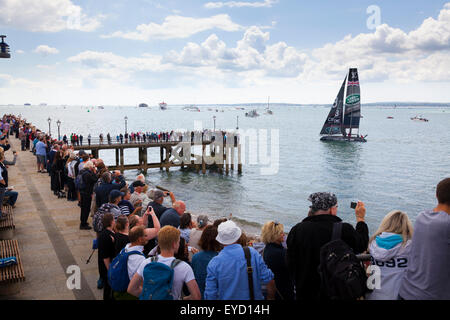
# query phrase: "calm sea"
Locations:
[[398, 168]]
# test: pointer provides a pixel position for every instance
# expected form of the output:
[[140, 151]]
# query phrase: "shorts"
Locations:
[[40, 159]]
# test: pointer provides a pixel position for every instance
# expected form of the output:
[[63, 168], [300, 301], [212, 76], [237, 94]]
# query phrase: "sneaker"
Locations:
[[100, 283], [85, 227]]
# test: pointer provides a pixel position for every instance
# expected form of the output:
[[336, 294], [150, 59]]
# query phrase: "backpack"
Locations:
[[118, 271], [158, 280], [79, 182], [342, 275], [98, 216]]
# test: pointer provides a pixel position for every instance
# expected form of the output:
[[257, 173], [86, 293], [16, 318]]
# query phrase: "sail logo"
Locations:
[[352, 99]]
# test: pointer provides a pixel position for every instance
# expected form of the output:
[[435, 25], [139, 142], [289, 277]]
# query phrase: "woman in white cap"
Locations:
[[227, 277]]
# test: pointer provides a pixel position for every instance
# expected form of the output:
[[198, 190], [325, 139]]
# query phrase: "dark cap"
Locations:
[[138, 183], [322, 200], [114, 194]]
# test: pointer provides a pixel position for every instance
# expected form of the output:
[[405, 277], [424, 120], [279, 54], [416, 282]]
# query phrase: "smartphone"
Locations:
[[353, 205]]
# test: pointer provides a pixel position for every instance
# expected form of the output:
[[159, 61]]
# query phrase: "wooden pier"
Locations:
[[221, 157]]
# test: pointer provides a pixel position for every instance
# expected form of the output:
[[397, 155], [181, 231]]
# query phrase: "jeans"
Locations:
[[12, 196]]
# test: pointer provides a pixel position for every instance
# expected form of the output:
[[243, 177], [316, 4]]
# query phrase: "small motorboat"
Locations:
[[416, 118]]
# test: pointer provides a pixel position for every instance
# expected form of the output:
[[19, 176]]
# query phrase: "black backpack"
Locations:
[[342, 275]]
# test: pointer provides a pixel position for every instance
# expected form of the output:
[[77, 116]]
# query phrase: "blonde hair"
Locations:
[[88, 165], [396, 222], [271, 232], [167, 236]]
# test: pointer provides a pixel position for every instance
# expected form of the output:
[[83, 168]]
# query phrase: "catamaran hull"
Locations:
[[344, 139]]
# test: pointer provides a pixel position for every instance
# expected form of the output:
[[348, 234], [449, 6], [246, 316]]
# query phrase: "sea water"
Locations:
[[398, 168]]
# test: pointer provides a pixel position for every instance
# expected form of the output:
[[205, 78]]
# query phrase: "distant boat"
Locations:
[[163, 105], [143, 105], [416, 118], [27, 104], [268, 111], [338, 120], [252, 114], [191, 108], [43, 104], [390, 117], [101, 107]]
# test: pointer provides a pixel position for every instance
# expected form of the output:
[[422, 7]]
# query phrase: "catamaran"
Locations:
[[340, 125]]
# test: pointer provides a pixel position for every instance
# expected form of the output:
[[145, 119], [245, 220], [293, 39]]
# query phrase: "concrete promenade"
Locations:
[[50, 241]]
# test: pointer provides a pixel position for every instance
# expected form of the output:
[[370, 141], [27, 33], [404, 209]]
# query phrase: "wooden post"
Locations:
[[117, 158], [161, 153], [232, 157], [144, 150], [203, 159], [227, 160], [168, 152], [122, 161], [239, 159]]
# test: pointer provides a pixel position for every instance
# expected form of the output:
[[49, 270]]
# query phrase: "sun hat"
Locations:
[[228, 233]]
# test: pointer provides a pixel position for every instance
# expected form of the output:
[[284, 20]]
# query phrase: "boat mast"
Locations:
[[351, 115]]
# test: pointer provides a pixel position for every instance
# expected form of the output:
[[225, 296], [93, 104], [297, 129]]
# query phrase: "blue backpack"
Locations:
[[118, 271], [158, 280]]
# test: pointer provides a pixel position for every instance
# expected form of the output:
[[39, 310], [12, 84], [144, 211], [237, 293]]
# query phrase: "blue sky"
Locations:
[[117, 52]]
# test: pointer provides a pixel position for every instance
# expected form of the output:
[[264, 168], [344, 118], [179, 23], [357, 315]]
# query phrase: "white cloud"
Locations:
[[46, 16], [252, 53], [177, 27], [45, 50], [388, 53], [19, 51], [240, 4]]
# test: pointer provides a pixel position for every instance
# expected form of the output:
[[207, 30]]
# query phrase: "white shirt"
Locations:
[[182, 274], [134, 260]]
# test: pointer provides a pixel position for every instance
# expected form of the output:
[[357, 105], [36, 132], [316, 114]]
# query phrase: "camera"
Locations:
[[353, 205]]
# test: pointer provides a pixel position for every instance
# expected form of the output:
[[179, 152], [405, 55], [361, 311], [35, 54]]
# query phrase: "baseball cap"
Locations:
[[138, 183], [114, 194], [228, 233]]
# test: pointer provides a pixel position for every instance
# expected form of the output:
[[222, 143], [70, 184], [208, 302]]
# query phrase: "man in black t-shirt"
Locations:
[[106, 252]]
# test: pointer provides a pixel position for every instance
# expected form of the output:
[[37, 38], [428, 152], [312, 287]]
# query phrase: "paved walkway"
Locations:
[[50, 241]]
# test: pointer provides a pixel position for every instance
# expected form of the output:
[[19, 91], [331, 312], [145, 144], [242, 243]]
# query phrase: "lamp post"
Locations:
[[58, 123], [4, 48], [214, 118], [237, 123], [49, 131], [126, 119]]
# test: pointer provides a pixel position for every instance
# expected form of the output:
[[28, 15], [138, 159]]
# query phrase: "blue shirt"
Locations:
[[199, 263], [227, 277], [41, 149]]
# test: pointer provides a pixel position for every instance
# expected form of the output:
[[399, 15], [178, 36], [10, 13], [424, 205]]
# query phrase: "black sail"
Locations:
[[352, 101], [333, 123]]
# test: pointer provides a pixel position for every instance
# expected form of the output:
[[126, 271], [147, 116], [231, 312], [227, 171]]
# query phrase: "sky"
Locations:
[[117, 52]]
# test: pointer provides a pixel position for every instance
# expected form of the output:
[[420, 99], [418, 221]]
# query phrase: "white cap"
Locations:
[[228, 233]]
